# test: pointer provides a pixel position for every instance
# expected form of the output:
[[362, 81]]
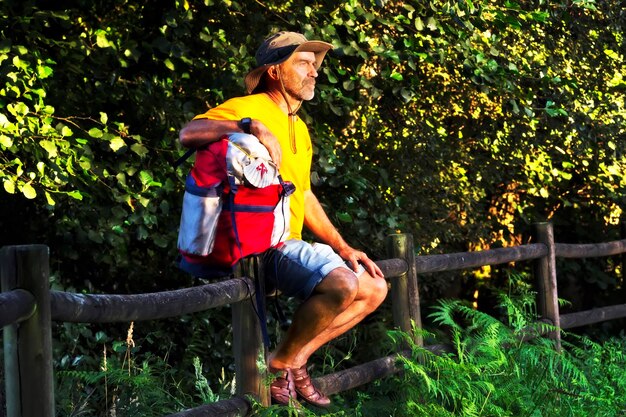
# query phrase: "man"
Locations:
[[338, 284]]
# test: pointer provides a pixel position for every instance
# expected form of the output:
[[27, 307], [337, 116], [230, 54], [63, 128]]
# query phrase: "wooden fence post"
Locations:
[[247, 340], [28, 346], [548, 297], [404, 289]]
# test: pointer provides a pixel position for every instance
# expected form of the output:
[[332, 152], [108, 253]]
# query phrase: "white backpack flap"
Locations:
[[248, 159]]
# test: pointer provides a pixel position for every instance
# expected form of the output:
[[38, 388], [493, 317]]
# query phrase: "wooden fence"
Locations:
[[28, 306]]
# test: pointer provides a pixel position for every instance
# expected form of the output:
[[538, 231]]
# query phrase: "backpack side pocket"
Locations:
[[198, 222]]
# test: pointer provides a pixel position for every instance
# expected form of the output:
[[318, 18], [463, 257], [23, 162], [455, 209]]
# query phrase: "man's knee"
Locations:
[[380, 289], [341, 285], [372, 290]]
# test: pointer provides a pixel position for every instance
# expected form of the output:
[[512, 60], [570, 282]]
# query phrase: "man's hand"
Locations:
[[268, 140], [353, 257]]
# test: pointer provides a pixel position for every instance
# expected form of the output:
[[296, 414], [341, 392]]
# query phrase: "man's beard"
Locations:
[[305, 93]]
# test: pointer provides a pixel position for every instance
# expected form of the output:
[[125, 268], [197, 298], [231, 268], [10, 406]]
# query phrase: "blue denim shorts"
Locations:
[[296, 267]]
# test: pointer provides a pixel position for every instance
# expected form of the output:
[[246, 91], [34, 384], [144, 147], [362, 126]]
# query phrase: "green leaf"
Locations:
[[145, 177], [49, 199], [144, 201], [419, 25], [66, 131], [556, 112], [117, 143], [94, 132], [539, 16], [44, 71], [169, 64], [50, 147], [18, 109], [101, 39], [9, 185], [75, 195], [139, 149], [6, 141], [161, 241], [344, 217], [121, 178], [18, 63], [103, 118], [431, 23], [330, 76], [28, 191], [396, 76], [119, 346]]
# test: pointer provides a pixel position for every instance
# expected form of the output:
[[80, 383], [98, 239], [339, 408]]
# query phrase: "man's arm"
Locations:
[[200, 132], [316, 220]]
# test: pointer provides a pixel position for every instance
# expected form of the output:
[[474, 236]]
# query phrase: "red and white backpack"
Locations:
[[235, 203]]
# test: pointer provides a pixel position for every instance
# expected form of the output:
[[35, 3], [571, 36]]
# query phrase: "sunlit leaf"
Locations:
[[44, 71], [50, 147], [419, 25], [9, 185], [77, 195], [117, 143], [94, 132], [18, 109], [66, 131], [101, 39], [6, 141], [145, 177], [28, 191], [49, 199]]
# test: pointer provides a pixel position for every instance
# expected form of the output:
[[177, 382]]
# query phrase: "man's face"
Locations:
[[298, 74]]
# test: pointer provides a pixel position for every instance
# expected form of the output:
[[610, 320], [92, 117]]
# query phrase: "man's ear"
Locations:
[[274, 72]]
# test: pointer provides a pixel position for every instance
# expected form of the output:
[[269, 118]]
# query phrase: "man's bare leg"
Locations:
[[372, 292], [339, 302]]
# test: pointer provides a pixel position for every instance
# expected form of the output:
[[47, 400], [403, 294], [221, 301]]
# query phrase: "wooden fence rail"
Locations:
[[26, 299]]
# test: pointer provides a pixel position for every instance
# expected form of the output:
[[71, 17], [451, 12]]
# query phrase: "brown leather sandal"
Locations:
[[282, 389], [304, 386]]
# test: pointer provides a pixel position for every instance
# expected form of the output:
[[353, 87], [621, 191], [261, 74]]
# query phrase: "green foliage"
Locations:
[[492, 372], [127, 380], [460, 122]]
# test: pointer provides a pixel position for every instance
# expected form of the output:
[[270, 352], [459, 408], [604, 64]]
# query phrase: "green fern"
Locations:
[[493, 373]]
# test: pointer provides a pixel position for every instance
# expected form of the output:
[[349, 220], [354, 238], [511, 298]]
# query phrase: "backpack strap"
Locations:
[[183, 158], [260, 295]]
